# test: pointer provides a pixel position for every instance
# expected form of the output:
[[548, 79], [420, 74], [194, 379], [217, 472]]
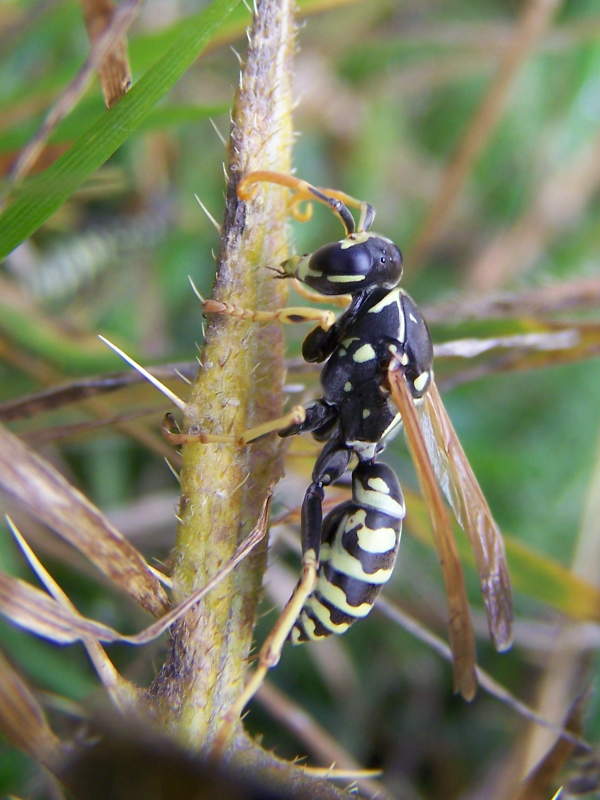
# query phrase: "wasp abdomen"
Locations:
[[360, 544]]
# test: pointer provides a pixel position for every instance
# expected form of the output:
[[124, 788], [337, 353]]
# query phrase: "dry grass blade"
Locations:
[[22, 719], [42, 436], [121, 692], [77, 390], [113, 70], [573, 295], [460, 629], [473, 513], [48, 496], [120, 21], [473, 347], [542, 780], [564, 344], [327, 749]]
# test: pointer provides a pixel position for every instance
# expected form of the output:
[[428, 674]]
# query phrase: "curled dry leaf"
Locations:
[[45, 493], [55, 619], [34, 610]]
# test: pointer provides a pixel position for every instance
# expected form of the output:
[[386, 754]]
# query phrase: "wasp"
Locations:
[[377, 378]]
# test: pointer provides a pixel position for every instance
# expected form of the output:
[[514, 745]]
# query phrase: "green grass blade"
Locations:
[[41, 196]]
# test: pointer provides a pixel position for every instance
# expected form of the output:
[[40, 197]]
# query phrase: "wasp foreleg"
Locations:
[[289, 315]]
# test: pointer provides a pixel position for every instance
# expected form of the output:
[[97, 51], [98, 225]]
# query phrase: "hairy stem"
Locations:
[[239, 385]]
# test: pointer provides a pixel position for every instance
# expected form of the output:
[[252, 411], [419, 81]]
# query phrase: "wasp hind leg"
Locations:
[[270, 652]]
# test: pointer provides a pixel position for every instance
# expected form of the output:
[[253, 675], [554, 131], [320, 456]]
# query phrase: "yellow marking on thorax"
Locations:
[[389, 299], [392, 296], [363, 354], [421, 381], [395, 423]]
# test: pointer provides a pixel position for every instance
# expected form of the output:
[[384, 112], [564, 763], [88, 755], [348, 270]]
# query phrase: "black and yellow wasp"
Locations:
[[377, 378]]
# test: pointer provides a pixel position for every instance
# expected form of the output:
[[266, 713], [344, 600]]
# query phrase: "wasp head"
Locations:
[[356, 263]]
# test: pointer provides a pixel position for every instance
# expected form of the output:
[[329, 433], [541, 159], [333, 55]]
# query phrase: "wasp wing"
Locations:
[[462, 490], [460, 629]]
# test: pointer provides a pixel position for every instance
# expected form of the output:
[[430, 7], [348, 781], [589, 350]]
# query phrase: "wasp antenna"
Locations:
[[177, 401], [195, 289], [208, 214]]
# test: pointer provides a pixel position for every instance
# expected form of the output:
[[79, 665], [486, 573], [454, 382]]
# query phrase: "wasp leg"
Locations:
[[329, 467], [289, 315], [319, 418], [270, 652], [294, 418]]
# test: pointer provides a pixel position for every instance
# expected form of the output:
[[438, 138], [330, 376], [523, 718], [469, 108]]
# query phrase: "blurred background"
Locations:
[[474, 129]]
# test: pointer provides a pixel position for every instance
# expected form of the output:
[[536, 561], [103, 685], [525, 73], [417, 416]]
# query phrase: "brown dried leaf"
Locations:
[[80, 389], [36, 611], [22, 719], [48, 496], [113, 71]]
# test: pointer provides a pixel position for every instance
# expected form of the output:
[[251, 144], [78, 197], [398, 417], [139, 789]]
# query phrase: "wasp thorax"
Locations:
[[352, 265]]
